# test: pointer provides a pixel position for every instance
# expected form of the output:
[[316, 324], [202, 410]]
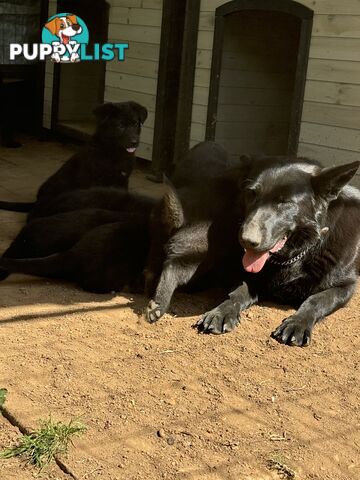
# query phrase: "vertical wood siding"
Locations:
[[137, 22]]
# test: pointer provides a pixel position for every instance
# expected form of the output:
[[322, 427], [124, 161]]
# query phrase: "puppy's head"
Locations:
[[120, 124], [285, 204]]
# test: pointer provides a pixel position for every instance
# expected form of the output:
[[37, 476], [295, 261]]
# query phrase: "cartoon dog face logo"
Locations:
[[64, 27], [66, 32]]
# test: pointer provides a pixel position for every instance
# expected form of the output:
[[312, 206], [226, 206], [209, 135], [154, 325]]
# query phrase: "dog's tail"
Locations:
[[55, 265], [24, 207]]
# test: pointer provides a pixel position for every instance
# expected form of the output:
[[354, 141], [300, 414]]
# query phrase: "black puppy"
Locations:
[[60, 231], [300, 233], [107, 160], [106, 198], [106, 259]]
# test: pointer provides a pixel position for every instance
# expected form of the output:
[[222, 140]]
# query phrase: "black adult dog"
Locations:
[[301, 235], [108, 160], [193, 228], [299, 241]]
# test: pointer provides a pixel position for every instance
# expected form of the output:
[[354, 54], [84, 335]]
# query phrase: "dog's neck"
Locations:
[[295, 255]]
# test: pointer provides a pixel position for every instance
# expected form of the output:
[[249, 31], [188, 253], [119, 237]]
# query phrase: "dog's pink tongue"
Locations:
[[65, 39], [131, 149], [254, 261]]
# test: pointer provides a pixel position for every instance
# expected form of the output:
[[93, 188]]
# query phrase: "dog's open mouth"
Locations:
[[65, 39], [254, 261], [131, 149]]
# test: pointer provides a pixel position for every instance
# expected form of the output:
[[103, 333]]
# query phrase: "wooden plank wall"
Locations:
[[137, 22], [330, 128], [49, 78]]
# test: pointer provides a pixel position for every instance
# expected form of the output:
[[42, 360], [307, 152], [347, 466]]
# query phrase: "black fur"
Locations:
[[317, 268], [105, 161], [107, 198], [104, 260], [193, 236], [253, 207], [74, 233]]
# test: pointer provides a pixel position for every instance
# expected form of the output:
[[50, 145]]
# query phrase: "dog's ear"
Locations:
[[140, 111], [172, 211], [330, 181], [52, 26], [72, 18], [103, 112]]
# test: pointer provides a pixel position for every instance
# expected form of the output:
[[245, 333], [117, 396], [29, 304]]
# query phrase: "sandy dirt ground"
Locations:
[[163, 402]]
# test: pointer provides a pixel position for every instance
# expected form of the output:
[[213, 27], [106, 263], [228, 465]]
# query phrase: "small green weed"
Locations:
[[40, 447]]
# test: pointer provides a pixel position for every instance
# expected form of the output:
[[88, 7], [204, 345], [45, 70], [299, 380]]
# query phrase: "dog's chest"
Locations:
[[288, 285]]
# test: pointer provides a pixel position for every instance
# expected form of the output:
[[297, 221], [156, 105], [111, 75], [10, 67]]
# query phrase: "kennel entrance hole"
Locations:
[[258, 76]]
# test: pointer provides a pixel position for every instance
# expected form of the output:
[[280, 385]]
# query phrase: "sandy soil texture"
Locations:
[[161, 401]]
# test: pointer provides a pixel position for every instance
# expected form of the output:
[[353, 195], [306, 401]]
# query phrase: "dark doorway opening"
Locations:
[[258, 76], [79, 87], [21, 80]]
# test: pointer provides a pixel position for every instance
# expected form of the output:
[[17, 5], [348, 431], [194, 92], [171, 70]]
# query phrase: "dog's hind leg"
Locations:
[[296, 329], [226, 316], [174, 274]]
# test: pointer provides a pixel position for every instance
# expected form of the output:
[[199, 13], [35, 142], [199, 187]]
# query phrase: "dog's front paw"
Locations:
[[293, 331], [153, 312], [222, 319]]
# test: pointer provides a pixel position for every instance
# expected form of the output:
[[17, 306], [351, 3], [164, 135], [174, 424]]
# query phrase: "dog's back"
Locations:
[[344, 215]]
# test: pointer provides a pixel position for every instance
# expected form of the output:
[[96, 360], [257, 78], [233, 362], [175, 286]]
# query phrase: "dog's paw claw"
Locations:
[[153, 312], [294, 332], [218, 321]]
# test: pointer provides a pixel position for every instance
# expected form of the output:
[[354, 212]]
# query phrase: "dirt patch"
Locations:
[[161, 401], [164, 402]]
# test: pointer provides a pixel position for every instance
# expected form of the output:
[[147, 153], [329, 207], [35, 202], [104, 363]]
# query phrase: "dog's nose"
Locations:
[[75, 26], [249, 243], [250, 238]]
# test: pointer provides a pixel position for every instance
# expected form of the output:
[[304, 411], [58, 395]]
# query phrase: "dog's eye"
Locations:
[[252, 193], [62, 26], [284, 201]]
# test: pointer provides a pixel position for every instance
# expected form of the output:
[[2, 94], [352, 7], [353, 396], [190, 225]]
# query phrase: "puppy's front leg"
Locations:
[[174, 273], [296, 329], [225, 317]]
